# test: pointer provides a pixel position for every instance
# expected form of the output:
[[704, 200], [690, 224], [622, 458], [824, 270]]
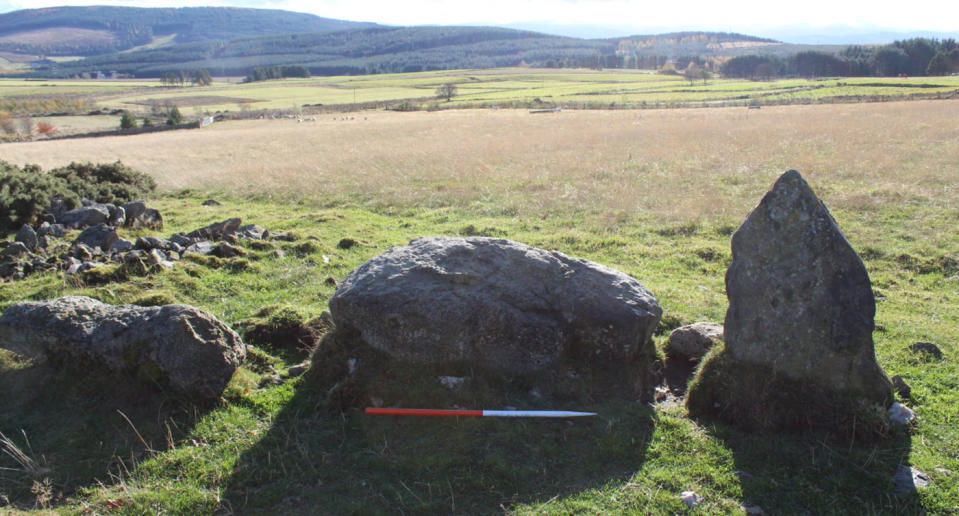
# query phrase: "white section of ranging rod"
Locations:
[[535, 413]]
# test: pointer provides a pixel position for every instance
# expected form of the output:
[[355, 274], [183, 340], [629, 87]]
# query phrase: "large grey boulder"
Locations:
[[800, 300], [800, 313], [186, 349], [495, 303]]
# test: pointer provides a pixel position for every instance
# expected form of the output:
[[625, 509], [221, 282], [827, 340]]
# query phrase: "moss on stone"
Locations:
[[754, 398]]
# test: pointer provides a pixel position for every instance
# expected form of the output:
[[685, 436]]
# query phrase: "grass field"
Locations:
[[516, 87], [654, 193]]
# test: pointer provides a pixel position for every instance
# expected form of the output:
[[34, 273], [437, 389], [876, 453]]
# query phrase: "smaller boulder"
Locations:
[[211, 202], [694, 340], [28, 237]]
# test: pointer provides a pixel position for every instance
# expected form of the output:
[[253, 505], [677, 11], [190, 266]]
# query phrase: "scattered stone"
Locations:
[[122, 245], [907, 479], [182, 240], [86, 266], [28, 237], [900, 414], [495, 303], [330, 281], [690, 498], [139, 216], [283, 237], [178, 346], [250, 232], [54, 230], [204, 247], [15, 250], [901, 387], [754, 510], [347, 243], [927, 348], [298, 369], [694, 340], [216, 231], [944, 472], [133, 264], [117, 215], [211, 202], [155, 256], [452, 382], [150, 242], [799, 323], [279, 253], [225, 250], [43, 242], [82, 252], [85, 217], [99, 236]]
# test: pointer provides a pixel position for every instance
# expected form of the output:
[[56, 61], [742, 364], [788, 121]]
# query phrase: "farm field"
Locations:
[[653, 193], [516, 87]]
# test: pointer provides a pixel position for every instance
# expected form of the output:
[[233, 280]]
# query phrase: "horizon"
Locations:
[[820, 22]]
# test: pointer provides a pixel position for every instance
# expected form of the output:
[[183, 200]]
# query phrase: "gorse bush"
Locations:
[[106, 182], [26, 192]]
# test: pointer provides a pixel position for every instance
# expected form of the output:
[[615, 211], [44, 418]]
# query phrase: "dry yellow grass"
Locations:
[[667, 164]]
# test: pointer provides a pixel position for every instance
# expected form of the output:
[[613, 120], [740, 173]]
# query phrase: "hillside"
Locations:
[[88, 31]]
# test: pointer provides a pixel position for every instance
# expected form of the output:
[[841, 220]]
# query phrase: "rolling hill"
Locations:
[[96, 30], [149, 42]]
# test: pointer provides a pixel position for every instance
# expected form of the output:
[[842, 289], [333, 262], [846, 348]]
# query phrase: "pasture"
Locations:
[[514, 87], [654, 193]]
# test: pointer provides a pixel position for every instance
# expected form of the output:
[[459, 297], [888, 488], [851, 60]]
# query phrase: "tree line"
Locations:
[[910, 57]]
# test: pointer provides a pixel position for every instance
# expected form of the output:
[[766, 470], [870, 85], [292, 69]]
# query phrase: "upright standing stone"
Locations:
[[801, 308]]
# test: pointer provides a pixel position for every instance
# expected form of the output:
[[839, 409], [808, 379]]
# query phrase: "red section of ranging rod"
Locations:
[[423, 412]]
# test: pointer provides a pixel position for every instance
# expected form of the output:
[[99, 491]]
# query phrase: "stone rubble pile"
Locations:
[[43, 248]]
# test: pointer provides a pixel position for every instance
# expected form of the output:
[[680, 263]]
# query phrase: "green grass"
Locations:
[[271, 447], [516, 87]]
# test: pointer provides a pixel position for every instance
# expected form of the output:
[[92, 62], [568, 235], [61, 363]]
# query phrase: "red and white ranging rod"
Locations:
[[475, 413]]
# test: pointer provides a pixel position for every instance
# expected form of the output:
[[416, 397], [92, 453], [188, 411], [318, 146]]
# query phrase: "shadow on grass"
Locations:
[[790, 473], [314, 461], [67, 429]]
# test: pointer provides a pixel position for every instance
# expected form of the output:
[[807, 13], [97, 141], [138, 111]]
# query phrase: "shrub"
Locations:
[[128, 121], [174, 117], [25, 193], [106, 182]]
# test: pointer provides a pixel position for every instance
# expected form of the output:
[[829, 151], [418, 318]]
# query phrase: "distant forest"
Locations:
[[911, 57], [265, 44]]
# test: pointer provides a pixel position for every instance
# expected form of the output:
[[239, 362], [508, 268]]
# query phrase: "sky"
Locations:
[[616, 17]]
